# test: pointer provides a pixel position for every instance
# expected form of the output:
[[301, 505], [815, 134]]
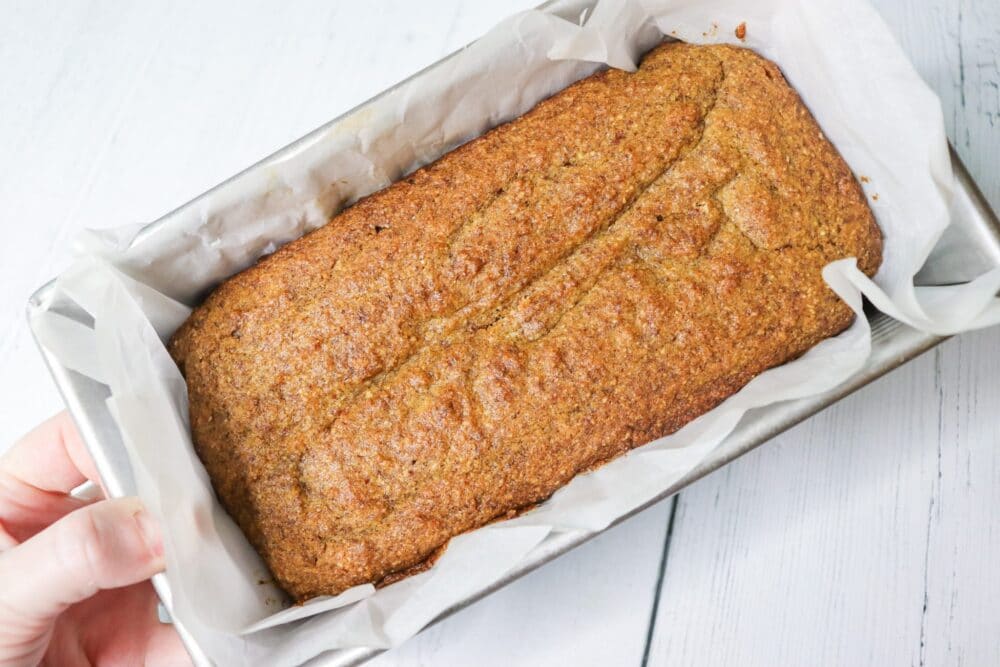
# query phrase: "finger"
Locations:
[[25, 510], [106, 545], [35, 475], [7, 540], [119, 626], [52, 457], [165, 648]]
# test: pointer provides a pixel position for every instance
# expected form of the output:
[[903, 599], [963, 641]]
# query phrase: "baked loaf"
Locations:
[[572, 284]]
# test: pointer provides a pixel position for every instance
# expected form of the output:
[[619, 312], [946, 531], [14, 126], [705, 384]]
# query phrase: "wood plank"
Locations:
[[183, 104], [123, 112], [955, 45], [823, 550], [868, 534], [961, 617], [590, 607], [824, 546], [774, 558]]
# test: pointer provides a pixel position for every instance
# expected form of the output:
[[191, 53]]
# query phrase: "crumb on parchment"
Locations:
[[741, 31]]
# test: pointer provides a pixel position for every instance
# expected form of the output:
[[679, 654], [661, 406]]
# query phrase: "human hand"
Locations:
[[74, 573]]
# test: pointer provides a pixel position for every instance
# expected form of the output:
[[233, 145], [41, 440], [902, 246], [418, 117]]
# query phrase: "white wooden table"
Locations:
[[869, 535]]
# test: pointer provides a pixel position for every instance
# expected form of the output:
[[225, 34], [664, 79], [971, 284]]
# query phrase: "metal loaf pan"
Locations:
[[969, 247]]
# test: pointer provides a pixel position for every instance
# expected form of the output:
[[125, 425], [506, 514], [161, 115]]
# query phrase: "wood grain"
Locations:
[[116, 112], [862, 536], [867, 535], [955, 45], [591, 607]]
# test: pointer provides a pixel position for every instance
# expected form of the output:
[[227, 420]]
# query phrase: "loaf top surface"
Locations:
[[569, 285]]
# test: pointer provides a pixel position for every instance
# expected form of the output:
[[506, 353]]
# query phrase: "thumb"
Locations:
[[109, 544]]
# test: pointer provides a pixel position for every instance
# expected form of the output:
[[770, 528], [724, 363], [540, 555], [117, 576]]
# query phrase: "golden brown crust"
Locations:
[[572, 284]]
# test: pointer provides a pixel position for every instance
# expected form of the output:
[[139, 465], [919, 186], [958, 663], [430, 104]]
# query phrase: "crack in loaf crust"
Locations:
[[570, 285]]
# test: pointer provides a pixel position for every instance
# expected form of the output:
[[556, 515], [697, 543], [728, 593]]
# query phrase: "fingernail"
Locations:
[[150, 531]]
